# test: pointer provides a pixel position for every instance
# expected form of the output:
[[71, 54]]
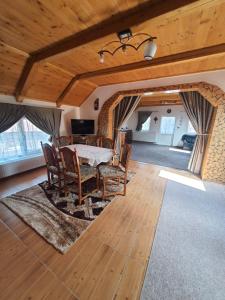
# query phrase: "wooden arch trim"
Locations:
[[212, 93]]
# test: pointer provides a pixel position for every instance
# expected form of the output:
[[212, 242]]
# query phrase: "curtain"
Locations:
[[46, 119], [200, 112], [123, 111], [142, 117], [9, 115]]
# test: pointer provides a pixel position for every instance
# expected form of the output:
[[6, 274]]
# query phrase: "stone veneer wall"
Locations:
[[214, 160], [214, 165]]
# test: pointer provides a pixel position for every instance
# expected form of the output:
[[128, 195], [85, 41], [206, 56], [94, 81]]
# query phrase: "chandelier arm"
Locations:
[[112, 42], [141, 33], [143, 43], [126, 45], [105, 51]]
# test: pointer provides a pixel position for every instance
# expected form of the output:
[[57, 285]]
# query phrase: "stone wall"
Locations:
[[214, 160], [214, 166]]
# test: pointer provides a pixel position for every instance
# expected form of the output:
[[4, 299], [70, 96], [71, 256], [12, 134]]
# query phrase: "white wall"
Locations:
[[105, 92], [154, 135]]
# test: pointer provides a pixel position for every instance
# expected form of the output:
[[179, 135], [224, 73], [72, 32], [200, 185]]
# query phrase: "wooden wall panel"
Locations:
[[12, 61]]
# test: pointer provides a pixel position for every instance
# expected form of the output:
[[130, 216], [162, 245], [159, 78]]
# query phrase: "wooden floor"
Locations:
[[107, 262]]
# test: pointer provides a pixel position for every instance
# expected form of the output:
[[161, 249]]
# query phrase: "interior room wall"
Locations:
[[69, 112], [153, 134], [105, 92]]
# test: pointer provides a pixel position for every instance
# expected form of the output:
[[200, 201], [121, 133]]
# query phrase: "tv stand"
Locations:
[[79, 139]]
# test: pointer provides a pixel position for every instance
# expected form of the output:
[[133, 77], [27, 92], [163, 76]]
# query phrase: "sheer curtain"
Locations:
[[23, 127], [21, 140], [200, 112]]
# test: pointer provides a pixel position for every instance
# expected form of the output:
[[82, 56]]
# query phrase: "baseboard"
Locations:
[[20, 166]]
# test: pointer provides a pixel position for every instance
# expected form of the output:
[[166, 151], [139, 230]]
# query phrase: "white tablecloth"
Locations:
[[94, 155]]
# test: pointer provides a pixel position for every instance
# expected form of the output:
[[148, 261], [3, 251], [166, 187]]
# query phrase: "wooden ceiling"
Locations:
[[49, 52], [160, 99]]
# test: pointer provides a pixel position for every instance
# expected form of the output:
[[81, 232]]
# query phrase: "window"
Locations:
[[20, 141], [190, 128], [146, 125], [167, 125]]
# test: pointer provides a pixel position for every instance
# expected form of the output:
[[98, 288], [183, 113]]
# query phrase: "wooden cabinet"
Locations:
[[128, 136]]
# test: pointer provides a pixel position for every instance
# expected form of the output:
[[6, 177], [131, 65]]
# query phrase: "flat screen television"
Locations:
[[82, 127]]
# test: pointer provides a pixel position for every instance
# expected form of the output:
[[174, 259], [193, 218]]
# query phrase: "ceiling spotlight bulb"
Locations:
[[101, 58], [150, 50]]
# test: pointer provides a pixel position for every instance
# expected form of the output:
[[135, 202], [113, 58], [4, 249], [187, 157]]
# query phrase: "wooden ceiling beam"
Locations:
[[120, 21], [184, 56], [114, 24], [23, 78], [73, 82]]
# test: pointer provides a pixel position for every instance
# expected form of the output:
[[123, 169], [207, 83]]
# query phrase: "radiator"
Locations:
[[13, 168]]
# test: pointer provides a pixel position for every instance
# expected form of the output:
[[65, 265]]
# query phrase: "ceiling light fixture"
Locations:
[[125, 39]]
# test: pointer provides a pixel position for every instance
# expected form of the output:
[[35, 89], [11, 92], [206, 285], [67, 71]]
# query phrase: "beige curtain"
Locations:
[[123, 111], [46, 119], [200, 112]]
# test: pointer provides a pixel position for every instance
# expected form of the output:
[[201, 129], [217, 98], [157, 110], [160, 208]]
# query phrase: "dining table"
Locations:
[[91, 154]]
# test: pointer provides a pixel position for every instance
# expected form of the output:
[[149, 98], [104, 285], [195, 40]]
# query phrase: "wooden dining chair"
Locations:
[[93, 140], [64, 140], [53, 166], [77, 174], [115, 174]]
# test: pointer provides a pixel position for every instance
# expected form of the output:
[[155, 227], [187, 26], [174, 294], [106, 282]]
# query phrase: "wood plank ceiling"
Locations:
[[160, 99], [190, 38]]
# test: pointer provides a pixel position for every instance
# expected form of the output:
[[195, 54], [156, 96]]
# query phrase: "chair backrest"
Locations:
[[64, 140], [70, 160], [50, 155], [93, 140], [125, 156], [107, 143]]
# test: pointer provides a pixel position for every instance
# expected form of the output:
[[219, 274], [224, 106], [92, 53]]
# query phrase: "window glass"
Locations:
[[146, 125], [190, 128], [167, 125], [20, 141]]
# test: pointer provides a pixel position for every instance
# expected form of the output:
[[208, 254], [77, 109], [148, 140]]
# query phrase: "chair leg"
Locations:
[[60, 184], [97, 181], [49, 179], [80, 193], [124, 188], [104, 187]]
